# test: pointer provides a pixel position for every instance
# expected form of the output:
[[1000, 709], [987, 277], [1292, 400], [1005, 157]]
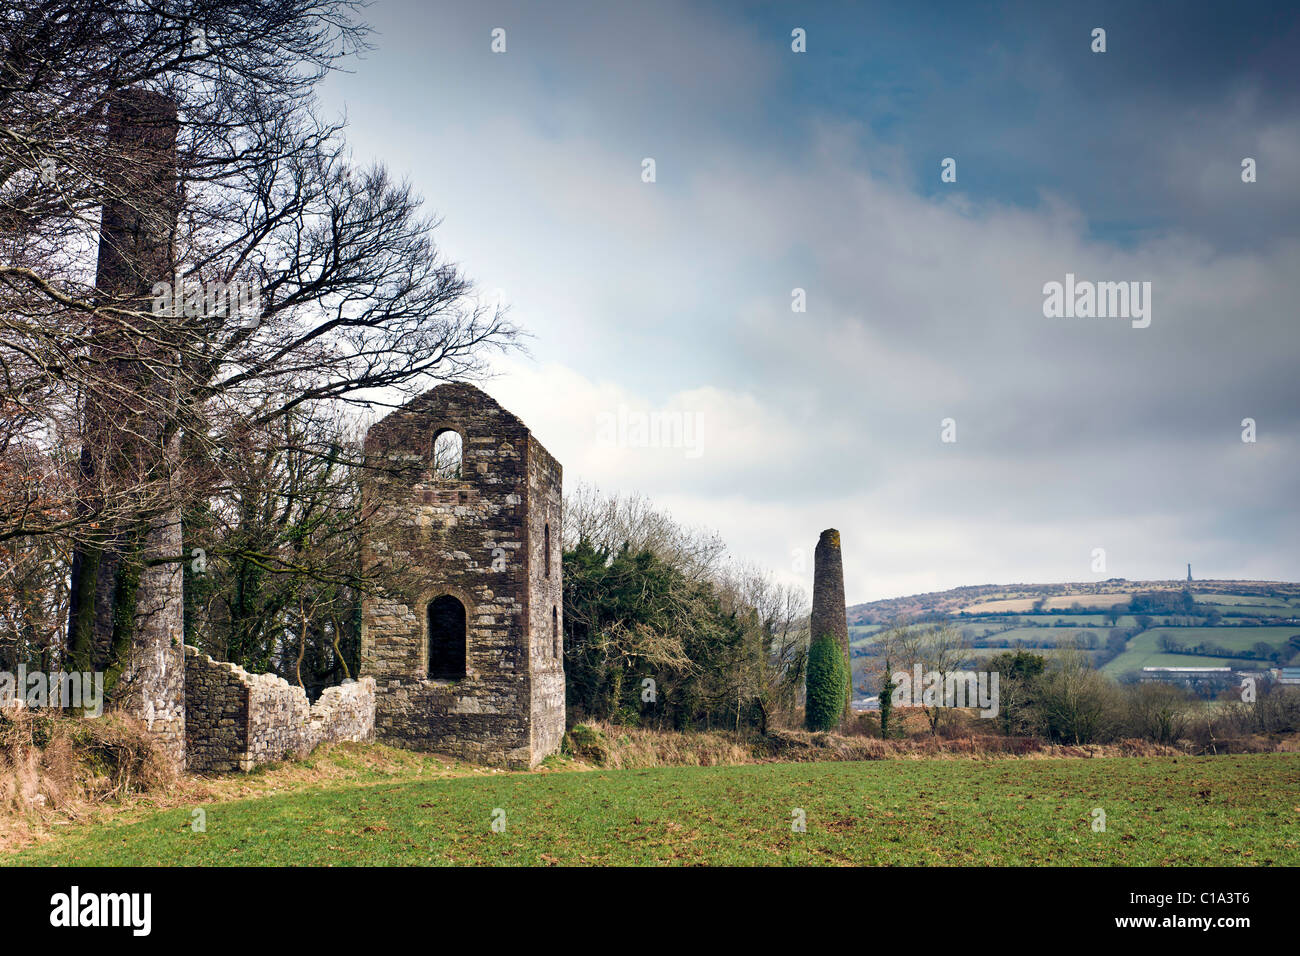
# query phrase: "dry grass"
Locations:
[[797, 745], [57, 771], [53, 768], [622, 748], [51, 761], [615, 747]]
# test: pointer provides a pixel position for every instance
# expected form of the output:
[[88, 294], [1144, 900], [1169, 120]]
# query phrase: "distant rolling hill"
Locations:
[[1124, 625]]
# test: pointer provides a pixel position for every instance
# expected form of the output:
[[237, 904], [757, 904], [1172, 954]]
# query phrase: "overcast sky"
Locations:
[[777, 170]]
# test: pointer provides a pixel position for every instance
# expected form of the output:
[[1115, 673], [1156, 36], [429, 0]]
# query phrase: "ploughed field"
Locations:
[[1230, 810]]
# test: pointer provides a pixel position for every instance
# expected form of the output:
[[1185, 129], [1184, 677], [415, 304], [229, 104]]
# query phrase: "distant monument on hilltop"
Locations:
[[1189, 570]]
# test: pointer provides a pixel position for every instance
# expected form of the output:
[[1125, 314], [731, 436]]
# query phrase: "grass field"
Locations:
[[1020, 605], [1235, 612], [1067, 620], [1155, 658], [1238, 600], [1054, 635], [862, 634], [1233, 638], [1033, 628], [1159, 811], [1144, 649]]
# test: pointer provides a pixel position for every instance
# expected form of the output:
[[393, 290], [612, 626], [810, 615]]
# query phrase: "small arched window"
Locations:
[[546, 543], [447, 455], [447, 638], [555, 631]]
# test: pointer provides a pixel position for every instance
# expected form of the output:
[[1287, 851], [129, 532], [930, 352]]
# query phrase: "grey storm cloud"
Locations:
[[923, 304]]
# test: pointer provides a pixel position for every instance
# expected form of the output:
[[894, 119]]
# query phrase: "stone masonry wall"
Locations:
[[546, 602], [216, 714], [235, 720], [471, 537], [828, 609]]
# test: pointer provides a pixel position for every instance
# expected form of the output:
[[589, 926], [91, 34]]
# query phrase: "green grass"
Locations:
[[1158, 659], [1055, 635], [1255, 600], [1144, 649], [1017, 605], [1237, 612], [1233, 638], [1074, 620], [1159, 811], [862, 634]]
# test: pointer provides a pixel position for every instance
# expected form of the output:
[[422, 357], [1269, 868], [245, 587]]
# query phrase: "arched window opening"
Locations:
[[546, 543], [447, 455], [447, 638], [555, 631]]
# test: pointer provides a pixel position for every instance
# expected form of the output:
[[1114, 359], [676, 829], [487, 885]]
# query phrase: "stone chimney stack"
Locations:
[[126, 611], [828, 612]]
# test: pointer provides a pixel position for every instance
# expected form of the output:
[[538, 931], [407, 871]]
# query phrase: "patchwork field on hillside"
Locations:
[[1144, 650], [1252, 600], [1225, 623], [1020, 605], [1158, 811], [1048, 635]]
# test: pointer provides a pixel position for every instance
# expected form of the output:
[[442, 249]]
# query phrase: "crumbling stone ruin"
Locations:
[[235, 720], [466, 649], [464, 653], [829, 615], [466, 658]]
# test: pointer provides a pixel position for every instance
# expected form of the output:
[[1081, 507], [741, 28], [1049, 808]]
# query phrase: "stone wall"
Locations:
[[477, 537], [235, 720], [216, 714], [546, 599]]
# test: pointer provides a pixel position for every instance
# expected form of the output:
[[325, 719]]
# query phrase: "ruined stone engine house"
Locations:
[[464, 509], [462, 655]]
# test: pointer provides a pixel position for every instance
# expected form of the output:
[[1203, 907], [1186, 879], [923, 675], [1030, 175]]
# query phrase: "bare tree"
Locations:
[[1078, 703], [934, 646], [761, 681], [776, 622], [236, 181], [610, 521]]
